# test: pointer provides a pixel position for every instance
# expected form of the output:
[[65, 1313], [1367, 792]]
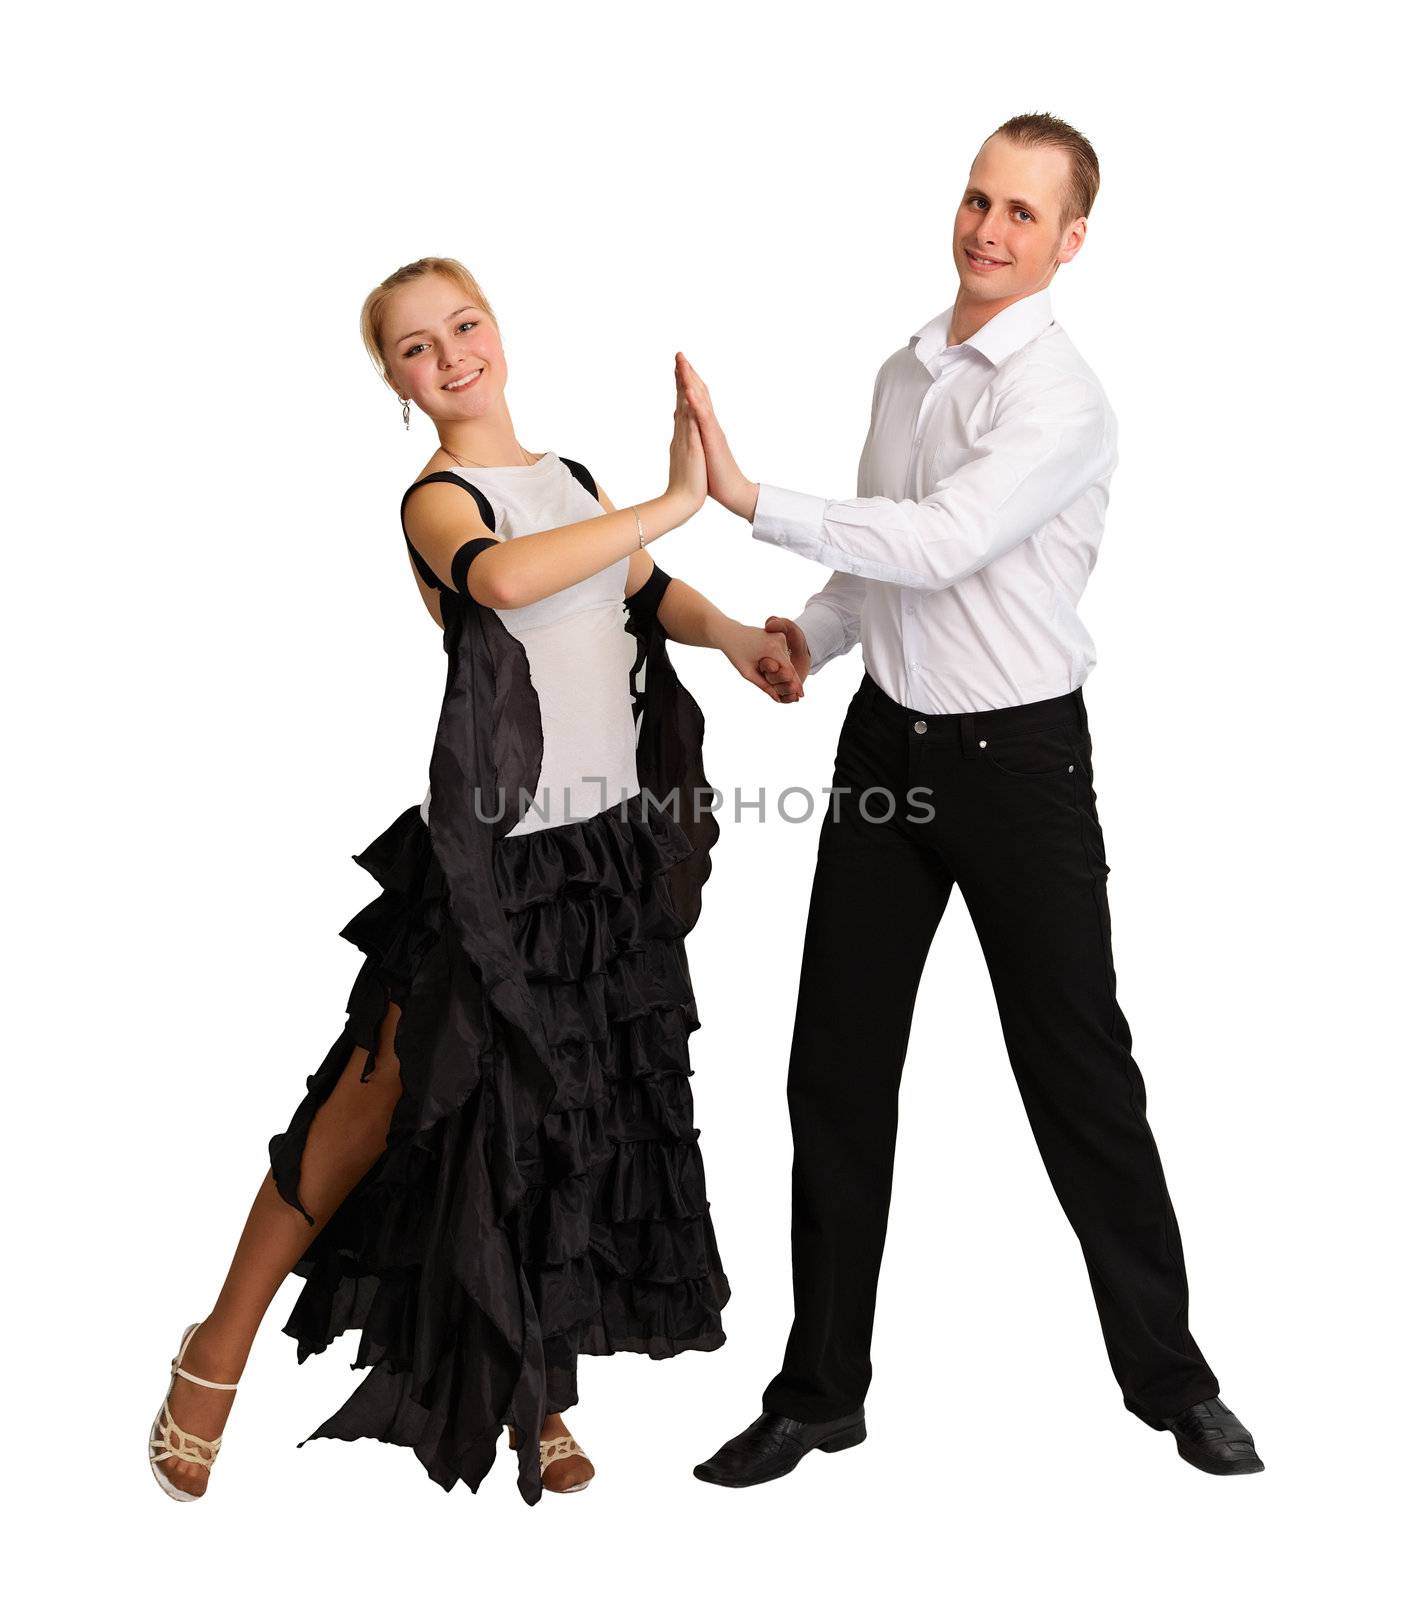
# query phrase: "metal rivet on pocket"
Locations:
[[982, 744], [1071, 768]]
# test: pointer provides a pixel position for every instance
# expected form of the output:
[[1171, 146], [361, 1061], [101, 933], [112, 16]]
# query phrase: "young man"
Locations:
[[981, 500]]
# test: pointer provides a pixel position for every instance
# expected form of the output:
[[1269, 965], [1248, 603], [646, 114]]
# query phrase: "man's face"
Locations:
[[1010, 216]]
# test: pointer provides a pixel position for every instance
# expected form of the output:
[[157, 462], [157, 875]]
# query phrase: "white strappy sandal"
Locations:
[[169, 1441], [557, 1450]]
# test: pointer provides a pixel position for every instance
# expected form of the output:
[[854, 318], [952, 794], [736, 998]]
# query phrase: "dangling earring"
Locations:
[[405, 399]]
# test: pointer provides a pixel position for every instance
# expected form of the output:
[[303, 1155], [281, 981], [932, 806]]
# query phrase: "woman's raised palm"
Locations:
[[687, 480]]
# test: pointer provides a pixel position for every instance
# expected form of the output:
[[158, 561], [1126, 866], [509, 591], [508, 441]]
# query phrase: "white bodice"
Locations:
[[578, 651]]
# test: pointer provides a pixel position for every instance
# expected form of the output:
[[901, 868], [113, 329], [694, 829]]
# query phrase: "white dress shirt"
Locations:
[[979, 507]]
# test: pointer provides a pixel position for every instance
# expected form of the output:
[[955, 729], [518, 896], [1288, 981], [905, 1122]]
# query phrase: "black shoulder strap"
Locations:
[[583, 475], [483, 505]]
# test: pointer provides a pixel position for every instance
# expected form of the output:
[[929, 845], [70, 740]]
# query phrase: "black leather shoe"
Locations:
[[772, 1446], [1212, 1437]]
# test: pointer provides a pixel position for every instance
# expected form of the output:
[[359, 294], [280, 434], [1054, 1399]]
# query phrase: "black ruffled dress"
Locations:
[[542, 1193]]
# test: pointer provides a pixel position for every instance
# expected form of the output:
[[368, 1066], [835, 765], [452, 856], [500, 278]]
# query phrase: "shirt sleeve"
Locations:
[[831, 620], [1046, 446]]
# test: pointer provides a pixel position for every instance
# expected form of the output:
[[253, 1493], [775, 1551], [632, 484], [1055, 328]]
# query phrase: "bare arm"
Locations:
[[520, 571], [690, 618], [440, 520]]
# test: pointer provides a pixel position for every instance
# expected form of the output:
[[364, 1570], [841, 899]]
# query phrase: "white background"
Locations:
[[222, 682]]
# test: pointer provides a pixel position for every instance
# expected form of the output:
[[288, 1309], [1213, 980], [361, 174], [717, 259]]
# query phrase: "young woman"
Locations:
[[496, 1166]]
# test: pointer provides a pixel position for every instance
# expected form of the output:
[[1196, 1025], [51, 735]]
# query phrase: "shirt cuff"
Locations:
[[824, 633], [789, 519]]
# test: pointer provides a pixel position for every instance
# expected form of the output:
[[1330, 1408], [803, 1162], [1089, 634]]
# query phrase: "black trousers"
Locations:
[[1014, 825]]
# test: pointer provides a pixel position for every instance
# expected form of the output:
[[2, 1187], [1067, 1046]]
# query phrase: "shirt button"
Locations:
[[921, 727]]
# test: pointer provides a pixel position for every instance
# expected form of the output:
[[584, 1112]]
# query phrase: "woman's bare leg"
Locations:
[[346, 1137]]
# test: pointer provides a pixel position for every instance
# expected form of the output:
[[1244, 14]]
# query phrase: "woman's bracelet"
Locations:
[[641, 538]]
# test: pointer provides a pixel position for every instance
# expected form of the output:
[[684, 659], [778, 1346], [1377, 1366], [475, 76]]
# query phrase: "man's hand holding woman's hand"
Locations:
[[762, 657], [793, 665]]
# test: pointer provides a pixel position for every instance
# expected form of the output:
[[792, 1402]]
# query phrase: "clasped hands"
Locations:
[[775, 657]]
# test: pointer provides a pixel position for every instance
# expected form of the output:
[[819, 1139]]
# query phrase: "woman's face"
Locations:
[[442, 351]]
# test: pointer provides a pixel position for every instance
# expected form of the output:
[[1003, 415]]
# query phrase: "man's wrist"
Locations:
[[741, 500], [822, 633]]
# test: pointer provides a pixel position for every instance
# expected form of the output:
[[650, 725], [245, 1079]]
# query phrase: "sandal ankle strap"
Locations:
[[178, 1371], [204, 1383]]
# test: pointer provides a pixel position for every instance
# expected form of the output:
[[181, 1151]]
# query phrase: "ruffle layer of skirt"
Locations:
[[486, 1249]]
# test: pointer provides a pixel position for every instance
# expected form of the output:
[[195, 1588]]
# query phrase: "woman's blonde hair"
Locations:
[[372, 312]]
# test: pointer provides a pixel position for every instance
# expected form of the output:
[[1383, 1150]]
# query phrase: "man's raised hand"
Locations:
[[727, 483]]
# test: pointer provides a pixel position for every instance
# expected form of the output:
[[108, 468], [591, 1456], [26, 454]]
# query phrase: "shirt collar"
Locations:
[[999, 337]]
